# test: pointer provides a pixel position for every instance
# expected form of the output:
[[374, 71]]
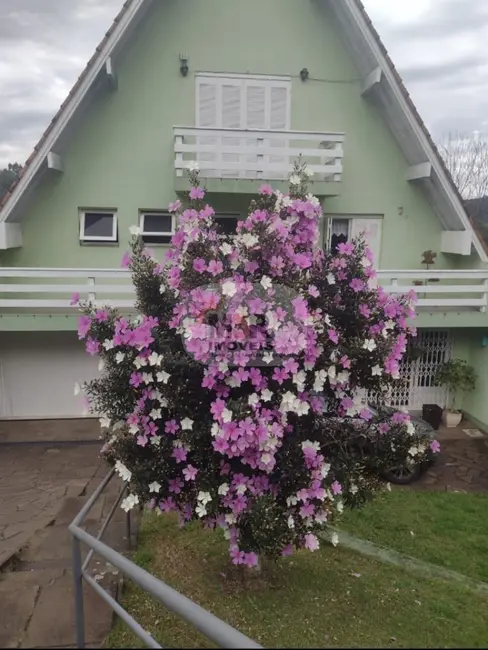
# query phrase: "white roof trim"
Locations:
[[358, 17], [71, 107]]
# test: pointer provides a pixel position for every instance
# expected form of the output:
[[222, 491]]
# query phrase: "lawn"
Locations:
[[449, 529], [331, 598]]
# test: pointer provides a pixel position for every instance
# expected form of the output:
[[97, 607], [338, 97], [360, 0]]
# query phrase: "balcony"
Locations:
[[445, 298], [239, 160]]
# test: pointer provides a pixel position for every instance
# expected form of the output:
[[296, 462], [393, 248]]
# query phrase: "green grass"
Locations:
[[449, 529], [331, 598]]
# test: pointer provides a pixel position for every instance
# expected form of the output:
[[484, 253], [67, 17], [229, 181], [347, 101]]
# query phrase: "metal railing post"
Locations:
[[78, 586]]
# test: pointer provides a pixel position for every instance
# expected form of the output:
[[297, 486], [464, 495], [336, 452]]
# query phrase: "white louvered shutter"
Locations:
[[255, 118], [232, 117], [208, 115], [278, 120], [371, 228]]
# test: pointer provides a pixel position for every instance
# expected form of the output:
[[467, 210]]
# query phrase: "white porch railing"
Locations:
[[440, 290], [257, 154], [33, 289]]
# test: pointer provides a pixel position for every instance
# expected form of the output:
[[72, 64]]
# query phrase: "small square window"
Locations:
[[156, 227], [227, 223], [98, 226]]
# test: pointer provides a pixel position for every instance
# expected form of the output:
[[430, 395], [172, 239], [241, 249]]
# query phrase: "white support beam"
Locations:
[[371, 81], [10, 235], [110, 72], [420, 172], [54, 161], [456, 242]]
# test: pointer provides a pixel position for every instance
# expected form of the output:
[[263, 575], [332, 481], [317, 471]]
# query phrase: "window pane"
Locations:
[[99, 224], [157, 222], [227, 225]]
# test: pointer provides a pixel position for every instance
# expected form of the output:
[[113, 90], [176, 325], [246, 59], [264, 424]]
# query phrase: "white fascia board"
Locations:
[[71, 107], [358, 18], [10, 235]]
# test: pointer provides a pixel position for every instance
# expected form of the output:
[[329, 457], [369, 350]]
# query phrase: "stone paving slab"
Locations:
[[17, 605]]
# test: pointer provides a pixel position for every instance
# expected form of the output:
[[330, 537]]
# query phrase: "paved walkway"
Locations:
[[42, 488]]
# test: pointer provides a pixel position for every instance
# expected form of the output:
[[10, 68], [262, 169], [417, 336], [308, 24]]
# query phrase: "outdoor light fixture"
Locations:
[[304, 74], [184, 64]]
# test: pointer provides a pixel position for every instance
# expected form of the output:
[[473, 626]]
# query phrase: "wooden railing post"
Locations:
[[179, 156], [92, 296]]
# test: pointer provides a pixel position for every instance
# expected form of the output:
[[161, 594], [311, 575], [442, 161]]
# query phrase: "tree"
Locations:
[[233, 397], [466, 157], [7, 177]]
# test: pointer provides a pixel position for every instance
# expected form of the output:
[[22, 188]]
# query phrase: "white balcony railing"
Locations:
[[257, 154], [440, 290], [51, 290]]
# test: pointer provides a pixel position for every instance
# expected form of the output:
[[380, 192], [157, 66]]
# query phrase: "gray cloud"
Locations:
[[447, 18]]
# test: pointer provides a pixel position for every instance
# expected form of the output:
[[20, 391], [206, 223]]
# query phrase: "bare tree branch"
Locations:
[[466, 157]]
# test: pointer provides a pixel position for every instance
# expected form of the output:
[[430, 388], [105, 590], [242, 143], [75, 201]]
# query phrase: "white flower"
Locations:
[[376, 371], [223, 366], [291, 501], [334, 539], [253, 399], [138, 362], [313, 199], [321, 517], [135, 230], [215, 430], [154, 487], [291, 522], [249, 240], [340, 507], [162, 289], [332, 372], [410, 428], [388, 487], [331, 279], [413, 451], [308, 172], [229, 289], [163, 377], [204, 497], [129, 502], [273, 322], [101, 365], [325, 469], [104, 422], [187, 424], [124, 473], [226, 249], [295, 179], [226, 415], [268, 357], [353, 489], [155, 414], [155, 359], [201, 510], [266, 395], [156, 441], [301, 408], [369, 345], [299, 379], [266, 282], [108, 344], [223, 489], [309, 444], [77, 388], [147, 378], [193, 166]]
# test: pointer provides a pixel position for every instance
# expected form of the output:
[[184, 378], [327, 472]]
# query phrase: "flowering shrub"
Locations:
[[234, 397]]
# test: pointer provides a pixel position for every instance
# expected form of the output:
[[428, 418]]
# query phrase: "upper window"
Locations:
[[341, 229], [156, 227], [227, 223], [98, 226]]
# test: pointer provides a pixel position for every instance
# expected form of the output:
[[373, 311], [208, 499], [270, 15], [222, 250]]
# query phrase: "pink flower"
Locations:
[[346, 249], [287, 550], [196, 193], [435, 446], [190, 473], [75, 299], [311, 542], [171, 426], [174, 207], [336, 487], [215, 267], [199, 265], [84, 324], [313, 291], [356, 285], [101, 315], [125, 263], [180, 454], [266, 190], [92, 347], [333, 336]]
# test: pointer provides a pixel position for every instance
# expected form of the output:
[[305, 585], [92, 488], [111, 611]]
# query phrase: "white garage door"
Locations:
[[38, 371]]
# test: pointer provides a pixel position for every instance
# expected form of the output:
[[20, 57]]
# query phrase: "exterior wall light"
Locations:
[[304, 74], [184, 65]]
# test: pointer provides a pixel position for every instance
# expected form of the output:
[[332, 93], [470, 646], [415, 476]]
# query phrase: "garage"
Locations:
[[38, 371]]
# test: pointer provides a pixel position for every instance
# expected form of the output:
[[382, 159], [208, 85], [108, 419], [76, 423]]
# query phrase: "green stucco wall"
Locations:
[[122, 156], [468, 346]]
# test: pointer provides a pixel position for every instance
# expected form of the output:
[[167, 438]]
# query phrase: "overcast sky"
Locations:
[[439, 47]]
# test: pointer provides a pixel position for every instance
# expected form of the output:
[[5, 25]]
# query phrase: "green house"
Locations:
[[243, 88]]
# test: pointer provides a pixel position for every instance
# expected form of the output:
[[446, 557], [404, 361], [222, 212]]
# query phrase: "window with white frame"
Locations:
[[227, 223], [156, 227], [98, 226], [342, 228], [241, 102]]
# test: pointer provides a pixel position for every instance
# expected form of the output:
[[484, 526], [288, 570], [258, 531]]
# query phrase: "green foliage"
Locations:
[[457, 376], [7, 177]]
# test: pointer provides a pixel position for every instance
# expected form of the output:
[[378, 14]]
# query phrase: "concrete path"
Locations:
[[42, 488]]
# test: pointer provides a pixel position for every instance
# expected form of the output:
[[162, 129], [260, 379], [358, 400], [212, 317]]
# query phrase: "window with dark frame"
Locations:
[[227, 223], [156, 227], [98, 226]]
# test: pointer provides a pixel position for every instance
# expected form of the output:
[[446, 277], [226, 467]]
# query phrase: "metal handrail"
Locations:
[[212, 627]]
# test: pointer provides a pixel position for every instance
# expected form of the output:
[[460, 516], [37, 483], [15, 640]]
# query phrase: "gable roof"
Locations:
[[369, 54]]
